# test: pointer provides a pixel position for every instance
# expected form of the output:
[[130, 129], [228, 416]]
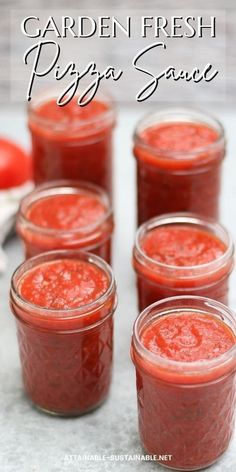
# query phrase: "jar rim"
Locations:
[[185, 367], [68, 313], [185, 219], [188, 114], [107, 116], [63, 187]]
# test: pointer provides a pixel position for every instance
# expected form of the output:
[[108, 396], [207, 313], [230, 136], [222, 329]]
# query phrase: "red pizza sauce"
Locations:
[[66, 211], [185, 361], [179, 137], [182, 254], [72, 142], [66, 215], [179, 156], [188, 337], [63, 284], [63, 302], [181, 246]]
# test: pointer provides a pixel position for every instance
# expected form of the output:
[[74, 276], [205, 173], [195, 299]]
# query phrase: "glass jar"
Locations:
[[95, 237], [66, 354], [185, 177], [72, 142], [185, 409], [157, 280]]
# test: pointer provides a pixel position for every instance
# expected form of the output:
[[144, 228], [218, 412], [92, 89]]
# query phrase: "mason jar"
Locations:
[[179, 154], [65, 348], [66, 214], [185, 383], [72, 142], [174, 275]]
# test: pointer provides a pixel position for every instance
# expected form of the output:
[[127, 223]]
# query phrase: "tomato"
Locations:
[[15, 165]]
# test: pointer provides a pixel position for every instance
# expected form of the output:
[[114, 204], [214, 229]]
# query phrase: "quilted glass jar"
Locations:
[[185, 408], [66, 353]]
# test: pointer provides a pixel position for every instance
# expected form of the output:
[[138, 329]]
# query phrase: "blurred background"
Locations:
[[119, 52]]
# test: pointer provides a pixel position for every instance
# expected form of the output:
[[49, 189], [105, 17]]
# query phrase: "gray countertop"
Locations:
[[31, 441]]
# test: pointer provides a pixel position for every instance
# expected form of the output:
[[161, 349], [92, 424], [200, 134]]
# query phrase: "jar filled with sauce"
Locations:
[[184, 352], [179, 154], [72, 141], [66, 215], [182, 254], [63, 303]]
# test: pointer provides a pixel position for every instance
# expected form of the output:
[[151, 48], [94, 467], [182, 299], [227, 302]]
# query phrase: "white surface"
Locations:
[[34, 442]]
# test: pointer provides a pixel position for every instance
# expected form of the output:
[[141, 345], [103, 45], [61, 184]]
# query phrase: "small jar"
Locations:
[[48, 219], [157, 279], [179, 155], [66, 353], [185, 408], [72, 142]]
